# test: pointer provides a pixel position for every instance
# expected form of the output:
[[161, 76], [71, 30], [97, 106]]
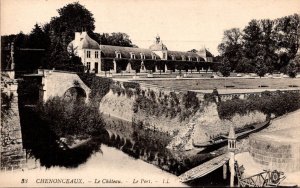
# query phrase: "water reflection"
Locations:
[[41, 143]]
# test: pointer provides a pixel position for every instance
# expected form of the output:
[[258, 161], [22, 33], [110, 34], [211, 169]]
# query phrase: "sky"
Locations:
[[181, 24]]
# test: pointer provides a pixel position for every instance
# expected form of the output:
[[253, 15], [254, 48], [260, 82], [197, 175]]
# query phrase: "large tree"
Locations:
[[252, 39], [38, 38], [72, 18], [287, 38], [268, 44], [231, 46]]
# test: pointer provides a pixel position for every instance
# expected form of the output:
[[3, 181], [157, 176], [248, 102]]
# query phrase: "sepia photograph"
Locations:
[[150, 93]]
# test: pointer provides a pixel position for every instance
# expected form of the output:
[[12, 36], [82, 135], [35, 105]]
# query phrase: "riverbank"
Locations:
[[289, 125], [110, 167]]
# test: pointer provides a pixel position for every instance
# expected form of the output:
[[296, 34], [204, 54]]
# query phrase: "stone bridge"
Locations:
[[62, 84]]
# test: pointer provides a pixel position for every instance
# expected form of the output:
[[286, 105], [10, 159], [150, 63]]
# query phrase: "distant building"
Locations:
[[98, 58]]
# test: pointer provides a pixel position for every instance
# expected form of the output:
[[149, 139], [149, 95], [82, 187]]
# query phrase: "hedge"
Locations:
[[277, 103], [107, 64]]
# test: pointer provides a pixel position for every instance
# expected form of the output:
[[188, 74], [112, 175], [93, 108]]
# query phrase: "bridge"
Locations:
[[61, 84], [205, 168]]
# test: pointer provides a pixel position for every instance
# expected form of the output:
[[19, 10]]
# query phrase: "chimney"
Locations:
[[83, 34], [77, 36]]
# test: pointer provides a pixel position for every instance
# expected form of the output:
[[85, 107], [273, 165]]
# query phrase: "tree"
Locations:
[[72, 18], [292, 69], [193, 50], [252, 39], [180, 65], [245, 66], [268, 44], [119, 39], [38, 38], [261, 68], [225, 68], [231, 46], [287, 38]]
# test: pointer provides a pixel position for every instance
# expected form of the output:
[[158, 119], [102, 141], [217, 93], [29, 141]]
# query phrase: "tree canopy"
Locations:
[[59, 32], [273, 43]]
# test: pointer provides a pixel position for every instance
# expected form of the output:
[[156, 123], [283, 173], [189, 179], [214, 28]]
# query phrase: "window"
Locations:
[[153, 56], [142, 56], [132, 55], [118, 55], [88, 54], [173, 57], [164, 55], [96, 54], [190, 58], [183, 58], [88, 66]]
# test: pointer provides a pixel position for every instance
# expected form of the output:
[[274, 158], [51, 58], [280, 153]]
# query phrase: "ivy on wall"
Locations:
[[277, 103]]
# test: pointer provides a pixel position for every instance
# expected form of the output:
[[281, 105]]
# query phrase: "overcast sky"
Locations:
[[181, 24]]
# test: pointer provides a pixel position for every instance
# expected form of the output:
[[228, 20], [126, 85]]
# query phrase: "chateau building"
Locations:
[[99, 58]]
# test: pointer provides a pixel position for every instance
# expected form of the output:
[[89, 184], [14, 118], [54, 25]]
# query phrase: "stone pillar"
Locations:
[[115, 67], [231, 150], [128, 68], [166, 68]]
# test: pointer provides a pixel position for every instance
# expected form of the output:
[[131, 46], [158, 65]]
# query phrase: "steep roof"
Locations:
[[88, 43], [83, 41], [205, 53]]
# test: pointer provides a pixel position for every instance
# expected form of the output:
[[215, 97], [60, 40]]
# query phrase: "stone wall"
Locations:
[[13, 156], [276, 151], [56, 83]]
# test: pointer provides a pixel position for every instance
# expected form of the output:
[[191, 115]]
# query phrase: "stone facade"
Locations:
[[276, 150], [101, 58], [13, 156], [56, 83]]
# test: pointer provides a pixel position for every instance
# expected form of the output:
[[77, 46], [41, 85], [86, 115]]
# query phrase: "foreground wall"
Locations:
[[13, 156], [199, 127], [278, 150]]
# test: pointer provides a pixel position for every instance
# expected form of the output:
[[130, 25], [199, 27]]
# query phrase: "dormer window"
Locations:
[[143, 56], [190, 58], [183, 58], [153, 56], [164, 55], [198, 59], [132, 55], [173, 57], [118, 54]]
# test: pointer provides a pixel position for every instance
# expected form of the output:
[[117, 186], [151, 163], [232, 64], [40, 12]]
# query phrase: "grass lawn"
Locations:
[[233, 83]]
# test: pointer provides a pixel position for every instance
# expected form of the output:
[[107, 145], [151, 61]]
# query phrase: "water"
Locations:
[[120, 156]]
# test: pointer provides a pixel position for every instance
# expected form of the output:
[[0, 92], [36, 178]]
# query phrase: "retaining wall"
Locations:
[[278, 150]]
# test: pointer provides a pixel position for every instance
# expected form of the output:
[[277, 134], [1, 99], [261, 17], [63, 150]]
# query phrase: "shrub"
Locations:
[[66, 118], [277, 103], [99, 86], [291, 69]]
